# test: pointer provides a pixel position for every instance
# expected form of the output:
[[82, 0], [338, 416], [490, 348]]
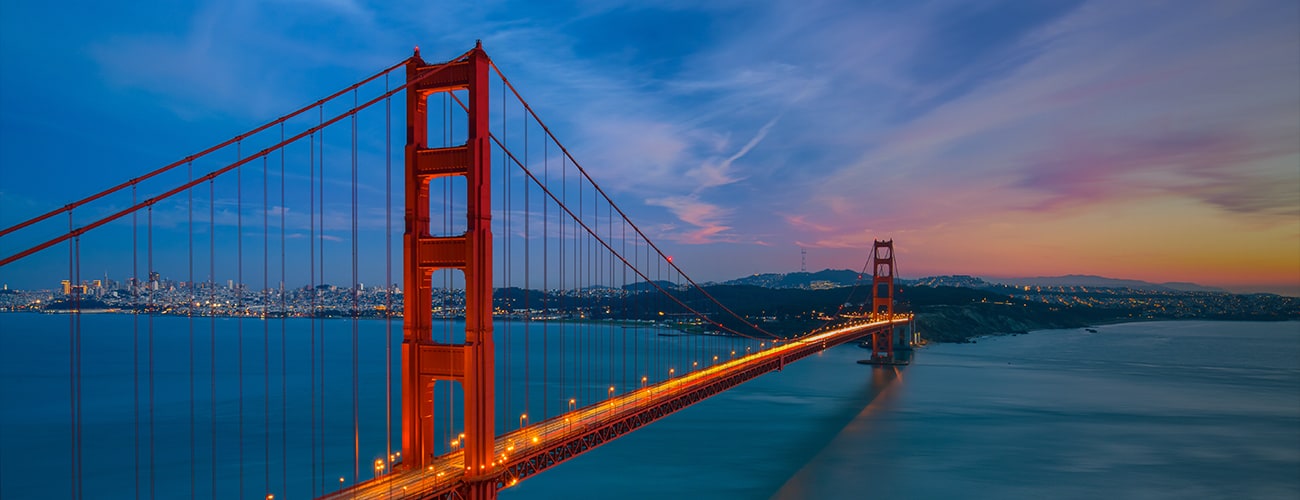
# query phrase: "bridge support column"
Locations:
[[882, 298], [424, 361]]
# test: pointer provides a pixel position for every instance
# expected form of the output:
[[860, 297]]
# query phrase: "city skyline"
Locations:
[[1155, 142]]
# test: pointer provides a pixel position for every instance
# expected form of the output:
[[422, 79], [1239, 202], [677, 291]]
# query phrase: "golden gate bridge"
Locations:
[[499, 219]]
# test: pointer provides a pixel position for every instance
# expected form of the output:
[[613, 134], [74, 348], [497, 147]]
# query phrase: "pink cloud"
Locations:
[[1188, 165], [706, 218]]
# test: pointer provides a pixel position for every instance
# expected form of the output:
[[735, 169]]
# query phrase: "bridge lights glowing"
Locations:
[[573, 403], [523, 420], [643, 380]]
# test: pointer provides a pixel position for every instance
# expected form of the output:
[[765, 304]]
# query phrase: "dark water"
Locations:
[[1143, 410]]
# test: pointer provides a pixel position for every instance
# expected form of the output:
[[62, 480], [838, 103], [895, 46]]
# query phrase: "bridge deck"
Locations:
[[534, 448]]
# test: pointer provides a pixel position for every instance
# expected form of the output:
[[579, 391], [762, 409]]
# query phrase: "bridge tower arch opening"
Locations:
[[424, 361]]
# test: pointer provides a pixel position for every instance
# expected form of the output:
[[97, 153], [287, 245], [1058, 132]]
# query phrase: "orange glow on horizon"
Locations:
[[1154, 240]]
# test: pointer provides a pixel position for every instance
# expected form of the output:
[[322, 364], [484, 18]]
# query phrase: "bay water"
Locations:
[[1188, 409]]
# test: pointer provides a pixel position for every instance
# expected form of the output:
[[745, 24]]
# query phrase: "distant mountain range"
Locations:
[[845, 277], [1104, 282]]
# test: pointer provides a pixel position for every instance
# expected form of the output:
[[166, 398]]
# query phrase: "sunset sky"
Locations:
[[1144, 140]]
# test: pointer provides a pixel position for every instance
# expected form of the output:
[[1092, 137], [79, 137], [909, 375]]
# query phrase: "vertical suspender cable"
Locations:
[[212, 323], [564, 328], [388, 272], [505, 251], [356, 421], [284, 356], [72, 371], [81, 486], [527, 290], [609, 303], [152, 307], [135, 338], [311, 281], [623, 294], [189, 313], [584, 274], [320, 155], [239, 303], [546, 265], [266, 329], [581, 363], [76, 317]]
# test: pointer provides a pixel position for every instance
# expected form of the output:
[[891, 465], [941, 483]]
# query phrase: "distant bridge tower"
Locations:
[[424, 361], [882, 298]]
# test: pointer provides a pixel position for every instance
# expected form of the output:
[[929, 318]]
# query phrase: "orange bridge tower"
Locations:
[[882, 298], [423, 360]]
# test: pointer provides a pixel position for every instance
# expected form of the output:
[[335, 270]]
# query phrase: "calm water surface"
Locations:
[[1141, 410]]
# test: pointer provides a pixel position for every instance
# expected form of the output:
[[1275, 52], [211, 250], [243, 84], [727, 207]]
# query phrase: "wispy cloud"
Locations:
[[1081, 123], [707, 219]]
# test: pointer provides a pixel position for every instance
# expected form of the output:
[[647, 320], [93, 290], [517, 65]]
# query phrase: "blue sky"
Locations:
[[1140, 140]]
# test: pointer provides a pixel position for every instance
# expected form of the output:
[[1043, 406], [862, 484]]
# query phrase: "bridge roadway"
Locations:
[[527, 451]]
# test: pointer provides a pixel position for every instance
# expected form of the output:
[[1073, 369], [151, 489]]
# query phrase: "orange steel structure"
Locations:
[[882, 297], [424, 361]]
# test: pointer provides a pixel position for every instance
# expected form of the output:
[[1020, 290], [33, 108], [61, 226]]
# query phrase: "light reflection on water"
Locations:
[[1141, 410]]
